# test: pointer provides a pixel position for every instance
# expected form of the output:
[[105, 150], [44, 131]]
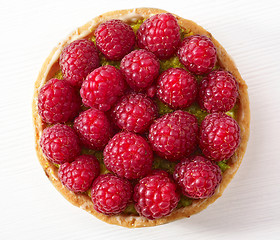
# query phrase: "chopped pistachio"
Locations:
[[58, 75], [223, 165], [135, 26]]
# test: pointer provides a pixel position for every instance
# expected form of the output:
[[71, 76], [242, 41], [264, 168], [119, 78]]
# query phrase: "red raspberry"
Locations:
[[77, 60], [197, 177], [219, 136], [110, 194], [218, 92], [177, 88], [93, 128], [102, 87], [60, 144], [160, 34], [151, 91], [115, 39], [79, 175], [128, 155], [134, 112], [174, 135], [160, 172], [140, 69], [58, 102], [156, 195], [198, 54]]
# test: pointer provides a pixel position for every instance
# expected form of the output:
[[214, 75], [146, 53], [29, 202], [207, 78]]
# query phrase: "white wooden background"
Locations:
[[30, 207]]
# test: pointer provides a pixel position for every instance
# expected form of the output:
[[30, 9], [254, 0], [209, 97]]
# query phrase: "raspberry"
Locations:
[[79, 175], [134, 112], [93, 128], [219, 136], [198, 177], [198, 54], [151, 91], [110, 194], [156, 195], [128, 155], [218, 92], [177, 88], [60, 144], [77, 60], [140, 69], [115, 39], [160, 34], [58, 102], [174, 135], [102, 87]]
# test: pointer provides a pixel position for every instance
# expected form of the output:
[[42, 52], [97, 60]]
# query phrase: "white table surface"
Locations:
[[31, 208]]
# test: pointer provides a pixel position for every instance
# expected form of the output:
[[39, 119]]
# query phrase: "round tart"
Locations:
[[185, 202]]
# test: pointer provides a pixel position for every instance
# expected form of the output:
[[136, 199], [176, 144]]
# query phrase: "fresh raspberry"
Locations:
[[160, 172], [115, 39], [58, 102], [156, 195], [140, 69], [151, 91], [77, 60], [93, 128], [198, 54], [160, 34], [110, 194], [102, 87], [218, 92], [177, 88], [174, 135], [60, 144], [198, 177], [128, 155], [134, 112], [79, 175], [219, 136]]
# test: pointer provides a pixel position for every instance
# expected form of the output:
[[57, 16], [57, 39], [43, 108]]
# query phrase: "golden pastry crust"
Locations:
[[50, 67]]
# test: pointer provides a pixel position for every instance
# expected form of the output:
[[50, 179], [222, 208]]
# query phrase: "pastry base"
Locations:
[[51, 66]]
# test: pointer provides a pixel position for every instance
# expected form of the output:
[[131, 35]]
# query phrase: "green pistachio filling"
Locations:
[[197, 111], [58, 75], [185, 33], [223, 165], [88, 151], [104, 61], [99, 156], [233, 112], [184, 202], [130, 209], [162, 108], [172, 62], [136, 25], [193, 109], [160, 163]]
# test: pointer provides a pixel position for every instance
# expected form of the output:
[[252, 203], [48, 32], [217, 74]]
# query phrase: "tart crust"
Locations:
[[51, 66]]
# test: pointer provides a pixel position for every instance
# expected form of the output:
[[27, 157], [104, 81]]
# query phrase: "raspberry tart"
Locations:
[[141, 117]]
